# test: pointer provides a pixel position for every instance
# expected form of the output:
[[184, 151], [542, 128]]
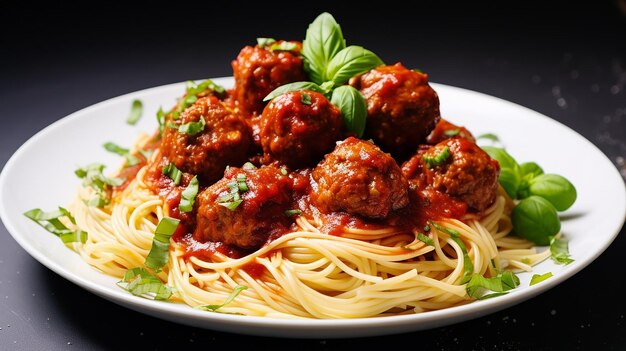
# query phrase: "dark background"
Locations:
[[567, 61]]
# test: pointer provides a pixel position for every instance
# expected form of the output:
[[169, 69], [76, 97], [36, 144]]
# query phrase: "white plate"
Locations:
[[40, 174]]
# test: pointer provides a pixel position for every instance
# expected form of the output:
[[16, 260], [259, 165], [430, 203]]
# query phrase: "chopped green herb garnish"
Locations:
[[425, 239], [536, 278], [139, 282], [231, 205], [306, 99], [426, 228], [284, 46], [263, 42], [172, 172], [191, 128], [188, 196], [159, 252], [438, 159], [290, 213], [136, 110], [283, 170], [51, 222], [452, 132], [488, 136], [500, 284], [248, 166], [468, 266], [160, 116], [131, 160], [560, 251], [92, 177], [241, 182], [214, 308]]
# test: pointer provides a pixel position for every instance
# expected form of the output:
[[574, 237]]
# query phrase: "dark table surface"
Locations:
[[563, 60]]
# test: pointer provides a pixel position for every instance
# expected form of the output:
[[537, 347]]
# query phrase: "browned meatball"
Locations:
[[258, 71], [466, 173], [445, 129], [260, 215], [298, 128], [402, 108], [359, 178], [223, 141]]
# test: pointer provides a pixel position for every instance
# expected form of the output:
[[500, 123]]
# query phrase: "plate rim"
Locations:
[[298, 328]]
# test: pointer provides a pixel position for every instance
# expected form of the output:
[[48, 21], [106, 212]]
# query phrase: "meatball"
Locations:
[[206, 151], [402, 108], [444, 130], [298, 128], [360, 179], [258, 71], [457, 167], [258, 217]]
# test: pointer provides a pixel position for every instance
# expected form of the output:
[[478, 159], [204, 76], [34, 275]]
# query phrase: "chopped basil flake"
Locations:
[[139, 282], [92, 177], [560, 251], [488, 136], [248, 166], [425, 239], [451, 132], [51, 222], [131, 160], [284, 46], [306, 99], [191, 128], [263, 42], [502, 282], [536, 278], [426, 228], [290, 213], [468, 266], [231, 205], [214, 308], [136, 110], [159, 252], [172, 172], [438, 159], [160, 116], [283, 170], [188, 195]]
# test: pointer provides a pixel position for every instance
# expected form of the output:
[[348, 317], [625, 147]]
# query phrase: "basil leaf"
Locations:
[[194, 89], [510, 173], [559, 250], [74, 237], [536, 278], [536, 219], [488, 136], [213, 308], [353, 108], [322, 42], [160, 116], [136, 110], [349, 62], [294, 87], [554, 188], [530, 169], [159, 252], [188, 195]]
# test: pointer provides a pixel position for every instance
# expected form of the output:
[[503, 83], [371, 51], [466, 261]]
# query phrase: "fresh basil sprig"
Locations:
[[330, 64], [540, 195]]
